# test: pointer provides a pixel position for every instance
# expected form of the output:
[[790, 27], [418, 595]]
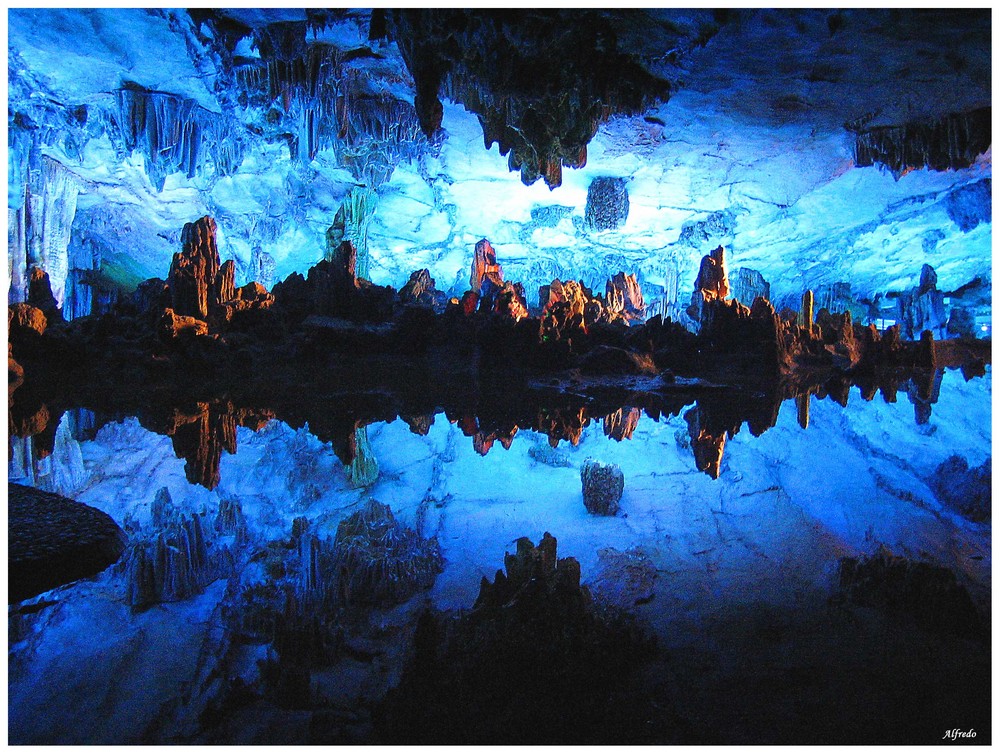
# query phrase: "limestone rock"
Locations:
[[928, 594], [420, 290], [486, 278], [624, 297], [922, 308], [194, 270], [963, 489], [607, 204], [624, 579], [40, 294], [151, 296], [612, 360], [603, 485], [173, 325], [378, 561], [748, 285], [53, 540], [171, 566], [708, 446], [25, 321], [712, 280], [621, 424]]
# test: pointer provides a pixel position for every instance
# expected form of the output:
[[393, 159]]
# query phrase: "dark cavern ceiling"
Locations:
[[818, 146]]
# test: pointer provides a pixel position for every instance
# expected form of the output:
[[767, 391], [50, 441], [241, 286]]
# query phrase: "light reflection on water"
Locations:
[[684, 548]]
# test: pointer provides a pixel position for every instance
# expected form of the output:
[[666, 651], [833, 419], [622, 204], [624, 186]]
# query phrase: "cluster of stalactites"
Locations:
[[951, 143], [175, 134], [322, 104], [491, 62]]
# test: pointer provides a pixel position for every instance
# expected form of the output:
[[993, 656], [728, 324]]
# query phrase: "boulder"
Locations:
[[607, 204], [603, 485], [53, 540], [173, 325], [25, 321], [624, 579]]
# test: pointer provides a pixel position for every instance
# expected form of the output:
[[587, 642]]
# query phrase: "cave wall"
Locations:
[[126, 124]]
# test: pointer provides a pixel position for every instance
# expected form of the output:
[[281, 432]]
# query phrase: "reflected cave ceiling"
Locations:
[[817, 146]]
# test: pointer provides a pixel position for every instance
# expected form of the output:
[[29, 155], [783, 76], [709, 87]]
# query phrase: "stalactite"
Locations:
[[950, 143], [323, 105], [351, 223], [175, 134], [363, 471], [39, 231]]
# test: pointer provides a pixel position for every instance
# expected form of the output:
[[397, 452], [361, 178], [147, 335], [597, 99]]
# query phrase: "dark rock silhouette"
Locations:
[[53, 540]]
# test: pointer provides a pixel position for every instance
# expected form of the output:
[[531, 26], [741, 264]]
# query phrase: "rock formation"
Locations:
[[378, 561], [194, 278], [623, 297], [53, 540], [607, 204], [420, 291], [922, 308], [926, 594], [487, 275], [523, 665], [952, 142], [963, 489], [603, 485], [351, 223], [747, 285], [169, 566], [40, 294]]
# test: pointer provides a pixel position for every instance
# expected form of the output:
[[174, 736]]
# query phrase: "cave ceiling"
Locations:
[[818, 146]]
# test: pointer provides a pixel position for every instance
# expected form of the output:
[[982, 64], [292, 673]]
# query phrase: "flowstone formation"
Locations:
[[535, 661]]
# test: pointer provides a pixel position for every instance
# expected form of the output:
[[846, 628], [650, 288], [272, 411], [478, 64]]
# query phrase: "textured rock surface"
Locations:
[[966, 490], [607, 204], [53, 540], [160, 117], [603, 485]]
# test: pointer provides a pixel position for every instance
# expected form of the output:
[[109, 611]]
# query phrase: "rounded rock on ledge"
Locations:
[[53, 540]]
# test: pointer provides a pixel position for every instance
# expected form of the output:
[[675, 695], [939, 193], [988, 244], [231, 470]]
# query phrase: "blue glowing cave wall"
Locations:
[[126, 124]]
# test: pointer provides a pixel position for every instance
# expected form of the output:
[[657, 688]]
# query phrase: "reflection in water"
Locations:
[[200, 433], [277, 591]]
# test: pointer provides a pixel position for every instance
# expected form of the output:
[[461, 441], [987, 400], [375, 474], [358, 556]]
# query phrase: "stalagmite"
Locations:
[[806, 312]]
